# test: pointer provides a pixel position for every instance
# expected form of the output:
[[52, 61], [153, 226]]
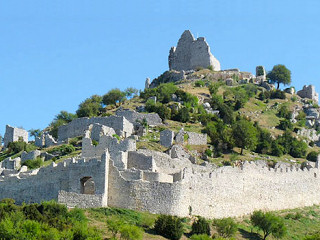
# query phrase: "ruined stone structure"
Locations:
[[191, 54], [78, 126], [309, 92], [13, 134], [133, 117]]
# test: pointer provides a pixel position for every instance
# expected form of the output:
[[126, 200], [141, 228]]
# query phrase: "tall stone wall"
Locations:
[[191, 54], [45, 183], [13, 134], [78, 126], [224, 192]]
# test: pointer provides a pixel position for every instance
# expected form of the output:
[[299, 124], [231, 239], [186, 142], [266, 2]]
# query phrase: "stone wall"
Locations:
[[45, 183], [132, 116], [309, 92], [30, 155], [13, 134], [72, 199], [140, 161], [78, 126], [191, 54]]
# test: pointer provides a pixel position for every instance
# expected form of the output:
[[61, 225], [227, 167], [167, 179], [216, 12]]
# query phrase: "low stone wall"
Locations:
[[30, 155], [72, 200], [134, 117]]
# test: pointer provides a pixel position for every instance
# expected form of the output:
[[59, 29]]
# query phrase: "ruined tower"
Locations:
[[191, 54]]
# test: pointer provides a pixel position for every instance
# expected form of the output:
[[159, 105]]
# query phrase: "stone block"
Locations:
[[166, 138]]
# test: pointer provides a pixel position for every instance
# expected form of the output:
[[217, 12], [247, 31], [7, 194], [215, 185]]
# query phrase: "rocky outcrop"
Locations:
[[191, 54]]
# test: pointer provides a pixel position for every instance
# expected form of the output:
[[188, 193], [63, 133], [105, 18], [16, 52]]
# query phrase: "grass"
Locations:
[[299, 222]]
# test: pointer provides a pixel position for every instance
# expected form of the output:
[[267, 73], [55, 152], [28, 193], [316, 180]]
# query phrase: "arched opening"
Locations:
[[87, 185]]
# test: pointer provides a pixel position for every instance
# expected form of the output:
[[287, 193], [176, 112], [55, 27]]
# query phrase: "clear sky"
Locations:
[[56, 53]]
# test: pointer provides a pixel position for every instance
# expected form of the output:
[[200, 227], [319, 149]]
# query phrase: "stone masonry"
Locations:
[[13, 134], [309, 92], [166, 138], [191, 54]]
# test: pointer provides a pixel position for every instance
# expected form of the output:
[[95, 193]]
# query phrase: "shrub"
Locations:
[[268, 223], [278, 94], [200, 226], [33, 163], [285, 124], [226, 227], [169, 226], [16, 147], [131, 232], [114, 224], [183, 115], [284, 112], [199, 83], [312, 156], [200, 237], [208, 152]]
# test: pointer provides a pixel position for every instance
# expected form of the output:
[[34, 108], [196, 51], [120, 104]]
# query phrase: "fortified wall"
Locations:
[[13, 134]]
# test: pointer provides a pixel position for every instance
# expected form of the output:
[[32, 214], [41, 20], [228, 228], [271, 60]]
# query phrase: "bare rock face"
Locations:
[[191, 54]]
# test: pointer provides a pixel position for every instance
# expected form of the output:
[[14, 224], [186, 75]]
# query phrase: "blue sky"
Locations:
[[54, 54]]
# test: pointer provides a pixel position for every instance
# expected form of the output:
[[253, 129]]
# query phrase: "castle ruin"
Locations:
[[191, 54], [114, 173]]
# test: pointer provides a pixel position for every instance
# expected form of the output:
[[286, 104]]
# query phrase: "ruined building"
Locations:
[[114, 173], [191, 53]]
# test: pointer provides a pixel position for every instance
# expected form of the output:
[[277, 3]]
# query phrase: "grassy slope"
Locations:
[[299, 223]]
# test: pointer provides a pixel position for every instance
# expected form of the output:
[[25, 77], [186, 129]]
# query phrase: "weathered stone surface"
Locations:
[[290, 90], [309, 92], [191, 138], [98, 130], [191, 54], [40, 141], [229, 81], [13, 134], [11, 164], [30, 155], [147, 83], [133, 117], [310, 134], [49, 140], [78, 126], [166, 138]]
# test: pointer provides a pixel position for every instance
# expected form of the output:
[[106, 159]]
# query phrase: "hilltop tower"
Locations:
[[191, 54]]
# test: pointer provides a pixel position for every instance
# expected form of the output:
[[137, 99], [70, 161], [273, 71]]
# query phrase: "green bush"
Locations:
[[284, 112], [114, 96], [63, 149], [200, 237], [226, 227], [200, 226], [277, 94], [33, 163], [285, 125], [169, 226], [131, 232], [312, 156], [199, 83]]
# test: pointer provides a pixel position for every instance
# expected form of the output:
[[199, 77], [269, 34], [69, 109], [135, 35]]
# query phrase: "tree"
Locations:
[[35, 132], [245, 134], [114, 96], [91, 107], [280, 74], [269, 224], [130, 91], [226, 227], [65, 116]]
